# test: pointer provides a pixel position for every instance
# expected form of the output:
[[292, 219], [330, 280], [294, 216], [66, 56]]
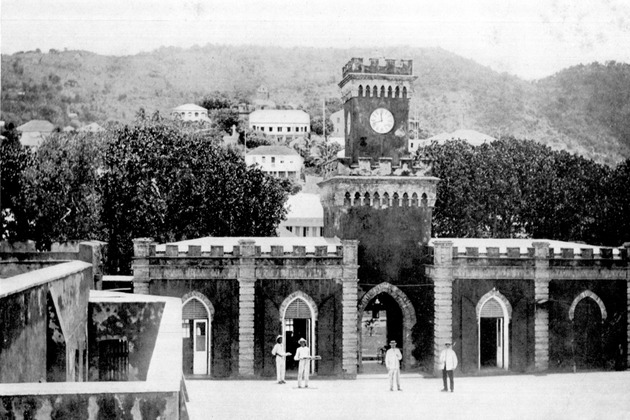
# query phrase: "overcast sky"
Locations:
[[529, 38]]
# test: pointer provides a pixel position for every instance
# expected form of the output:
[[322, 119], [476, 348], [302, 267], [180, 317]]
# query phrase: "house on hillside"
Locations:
[[281, 124], [34, 132], [280, 161], [190, 112], [91, 128]]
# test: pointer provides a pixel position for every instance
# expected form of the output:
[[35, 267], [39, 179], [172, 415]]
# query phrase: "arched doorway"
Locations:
[[385, 313], [493, 331], [197, 314], [298, 315], [587, 316]]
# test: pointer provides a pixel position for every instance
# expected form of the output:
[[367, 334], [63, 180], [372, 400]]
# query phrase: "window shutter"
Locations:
[[194, 309], [298, 309], [492, 309]]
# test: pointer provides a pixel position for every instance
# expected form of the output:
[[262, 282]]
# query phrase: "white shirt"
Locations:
[[393, 358], [448, 358], [302, 353], [277, 350]]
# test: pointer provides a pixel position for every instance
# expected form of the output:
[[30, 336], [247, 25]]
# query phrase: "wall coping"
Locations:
[[21, 282]]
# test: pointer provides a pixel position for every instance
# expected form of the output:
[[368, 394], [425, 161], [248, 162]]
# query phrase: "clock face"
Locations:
[[382, 120]]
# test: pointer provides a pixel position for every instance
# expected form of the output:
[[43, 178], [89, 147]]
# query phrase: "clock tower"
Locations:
[[376, 96]]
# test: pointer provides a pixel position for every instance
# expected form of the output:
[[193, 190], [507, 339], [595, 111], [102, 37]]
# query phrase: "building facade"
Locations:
[[190, 112], [280, 124], [280, 161]]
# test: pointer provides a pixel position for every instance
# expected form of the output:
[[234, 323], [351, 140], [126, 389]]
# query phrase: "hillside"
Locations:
[[584, 109]]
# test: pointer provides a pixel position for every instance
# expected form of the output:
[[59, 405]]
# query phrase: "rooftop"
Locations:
[[273, 150], [189, 107], [40, 126], [275, 116]]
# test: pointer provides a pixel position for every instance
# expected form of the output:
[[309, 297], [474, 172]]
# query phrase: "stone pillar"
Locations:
[[349, 301], [541, 295], [143, 248], [246, 281], [443, 299]]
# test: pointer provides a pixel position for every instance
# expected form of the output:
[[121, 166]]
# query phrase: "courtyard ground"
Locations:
[[597, 395]]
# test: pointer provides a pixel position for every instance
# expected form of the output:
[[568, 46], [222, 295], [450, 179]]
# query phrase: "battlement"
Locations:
[[378, 66], [383, 167], [239, 251], [525, 255]]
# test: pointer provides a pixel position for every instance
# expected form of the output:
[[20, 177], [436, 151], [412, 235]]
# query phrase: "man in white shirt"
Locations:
[[303, 354], [448, 362], [392, 361], [280, 357]]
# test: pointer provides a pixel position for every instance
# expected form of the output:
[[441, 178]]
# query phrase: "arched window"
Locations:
[[375, 91], [347, 200], [397, 94], [382, 91], [367, 91], [366, 199], [377, 200], [395, 201], [414, 200], [357, 199], [389, 92], [424, 202], [386, 200], [404, 95], [405, 200], [360, 90]]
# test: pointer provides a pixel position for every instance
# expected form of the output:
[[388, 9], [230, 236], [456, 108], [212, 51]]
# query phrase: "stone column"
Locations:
[[349, 303], [143, 248], [246, 281], [541, 295], [443, 298]]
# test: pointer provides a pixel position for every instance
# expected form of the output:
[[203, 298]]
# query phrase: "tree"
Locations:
[[168, 182], [62, 190], [224, 119], [318, 128], [14, 160]]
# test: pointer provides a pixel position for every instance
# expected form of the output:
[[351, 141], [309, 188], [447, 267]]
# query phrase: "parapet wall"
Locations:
[[378, 66]]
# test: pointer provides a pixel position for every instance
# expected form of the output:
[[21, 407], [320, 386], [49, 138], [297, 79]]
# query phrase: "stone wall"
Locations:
[[137, 323]]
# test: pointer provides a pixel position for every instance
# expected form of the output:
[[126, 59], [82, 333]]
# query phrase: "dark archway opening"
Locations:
[[587, 333], [382, 322]]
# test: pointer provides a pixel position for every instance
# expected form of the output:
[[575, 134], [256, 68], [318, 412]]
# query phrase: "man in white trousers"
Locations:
[[448, 363], [280, 357], [303, 354], [392, 361]]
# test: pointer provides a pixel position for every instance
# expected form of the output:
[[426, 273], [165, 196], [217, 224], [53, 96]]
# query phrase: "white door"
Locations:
[[500, 342], [200, 346]]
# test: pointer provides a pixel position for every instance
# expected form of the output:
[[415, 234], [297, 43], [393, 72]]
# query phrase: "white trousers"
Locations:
[[303, 369], [280, 368], [394, 374]]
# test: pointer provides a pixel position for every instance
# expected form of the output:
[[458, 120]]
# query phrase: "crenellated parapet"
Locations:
[[379, 185], [377, 78]]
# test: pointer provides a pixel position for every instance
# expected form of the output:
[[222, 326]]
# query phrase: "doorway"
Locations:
[[493, 331], [587, 333], [381, 322], [298, 321], [196, 331]]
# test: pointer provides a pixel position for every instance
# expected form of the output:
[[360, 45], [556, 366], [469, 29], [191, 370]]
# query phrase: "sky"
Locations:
[[528, 38]]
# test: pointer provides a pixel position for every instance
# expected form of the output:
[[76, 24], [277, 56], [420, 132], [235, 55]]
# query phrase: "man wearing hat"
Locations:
[[303, 354], [448, 361], [392, 361], [280, 357]]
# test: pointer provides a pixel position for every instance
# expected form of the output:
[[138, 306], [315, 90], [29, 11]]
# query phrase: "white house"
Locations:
[[280, 124], [281, 161], [305, 216], [190, 112], [34, 132]]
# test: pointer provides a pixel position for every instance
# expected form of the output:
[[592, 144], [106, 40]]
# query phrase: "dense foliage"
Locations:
[[154, 178], [517, 188]]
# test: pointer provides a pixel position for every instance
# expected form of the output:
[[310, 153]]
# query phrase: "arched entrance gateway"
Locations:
[[493, 331], [587, 313], [197, 314], [385, 313], [298, 315]]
